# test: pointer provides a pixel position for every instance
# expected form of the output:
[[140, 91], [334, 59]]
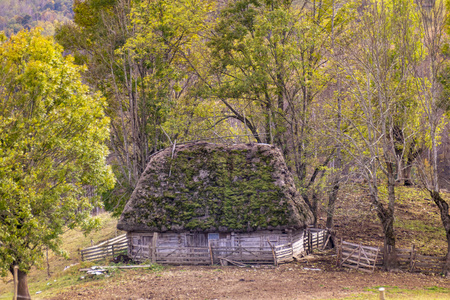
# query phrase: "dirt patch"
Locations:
[[314, 278]]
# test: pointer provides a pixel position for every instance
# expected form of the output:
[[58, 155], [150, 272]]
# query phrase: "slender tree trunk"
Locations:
[[332, 200], [388, 222], [407, 173], [336, 175], [22, 291], [315, 203]]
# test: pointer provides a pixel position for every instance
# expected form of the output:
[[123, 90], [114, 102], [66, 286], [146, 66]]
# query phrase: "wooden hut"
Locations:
[[202, 203]]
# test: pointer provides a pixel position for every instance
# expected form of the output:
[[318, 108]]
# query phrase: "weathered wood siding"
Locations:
[[206, 248]]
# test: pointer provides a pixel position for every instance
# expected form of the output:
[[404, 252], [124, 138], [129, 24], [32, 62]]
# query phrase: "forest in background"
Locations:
[[16, 15]]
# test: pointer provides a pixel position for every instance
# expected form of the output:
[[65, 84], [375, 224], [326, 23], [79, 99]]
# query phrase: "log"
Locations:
[[114, 267], [359, 269]]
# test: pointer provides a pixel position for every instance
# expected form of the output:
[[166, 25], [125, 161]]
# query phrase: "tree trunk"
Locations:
[[390, 254], [445, 217], [315, 203], [446, 269], [331, 202], [386, 217], [412, 156], [407, 173], [311, 202], [22, 291]]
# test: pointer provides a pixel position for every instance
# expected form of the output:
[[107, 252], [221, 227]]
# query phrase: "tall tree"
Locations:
[[138, 53], [432, 79], [52, 134], [267, 70], [378, 67]]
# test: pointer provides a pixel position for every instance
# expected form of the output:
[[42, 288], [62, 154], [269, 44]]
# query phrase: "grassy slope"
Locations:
[[73, 241], [417, 220]]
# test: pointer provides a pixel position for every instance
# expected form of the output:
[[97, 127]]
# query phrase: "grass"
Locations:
[[417, 220], [393, 292], [73, 242]]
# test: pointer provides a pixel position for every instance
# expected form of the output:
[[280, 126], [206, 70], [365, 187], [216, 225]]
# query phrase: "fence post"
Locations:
[[275, 261], [112, 250], [412, 257], [339, 249], [359, 255], [211, 253], [309, 241]]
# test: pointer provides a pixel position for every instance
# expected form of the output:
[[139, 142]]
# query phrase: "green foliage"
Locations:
[[52, 134]]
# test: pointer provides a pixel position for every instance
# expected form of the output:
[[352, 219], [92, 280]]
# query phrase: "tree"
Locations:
[[432, 87], [267, 70], [52, 134], [377, 68], [137, 53]]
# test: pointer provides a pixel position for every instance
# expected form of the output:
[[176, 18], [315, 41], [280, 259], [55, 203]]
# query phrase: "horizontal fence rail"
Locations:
[[410, 260], [304, 244], [109, 248], [366, 258], [357, 256]]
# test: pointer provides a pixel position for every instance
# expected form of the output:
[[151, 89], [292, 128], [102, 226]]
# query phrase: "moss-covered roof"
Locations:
[[209, 187]]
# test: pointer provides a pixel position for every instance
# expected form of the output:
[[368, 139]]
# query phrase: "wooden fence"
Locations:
[[412, 261], [357, 256], [109, 248], [367, 259], [311, 239]]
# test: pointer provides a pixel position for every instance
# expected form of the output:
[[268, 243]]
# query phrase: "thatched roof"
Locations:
[[209, 187]]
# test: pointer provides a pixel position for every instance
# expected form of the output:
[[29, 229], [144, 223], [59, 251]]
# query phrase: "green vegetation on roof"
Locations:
[[210, 188]]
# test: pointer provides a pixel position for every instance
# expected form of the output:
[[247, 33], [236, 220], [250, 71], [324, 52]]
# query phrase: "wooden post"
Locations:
[[327, 240], [339, 250], [16, 281], [275, 261], [112, 250], [154, 245], [382, 296], [240, 251], [412, 257], [375, 261], [309, 241], [317, 239], [359, 255], [211, 253]]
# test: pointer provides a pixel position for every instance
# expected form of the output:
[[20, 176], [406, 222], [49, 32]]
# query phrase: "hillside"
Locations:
[[417, 223], [16, 15]]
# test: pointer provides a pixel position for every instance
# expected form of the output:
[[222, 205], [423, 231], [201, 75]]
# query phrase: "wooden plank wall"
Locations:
[[109, 248], [303, 243], [264, 247]]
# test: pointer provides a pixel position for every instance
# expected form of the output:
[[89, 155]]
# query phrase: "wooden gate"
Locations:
[[356, 256]]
